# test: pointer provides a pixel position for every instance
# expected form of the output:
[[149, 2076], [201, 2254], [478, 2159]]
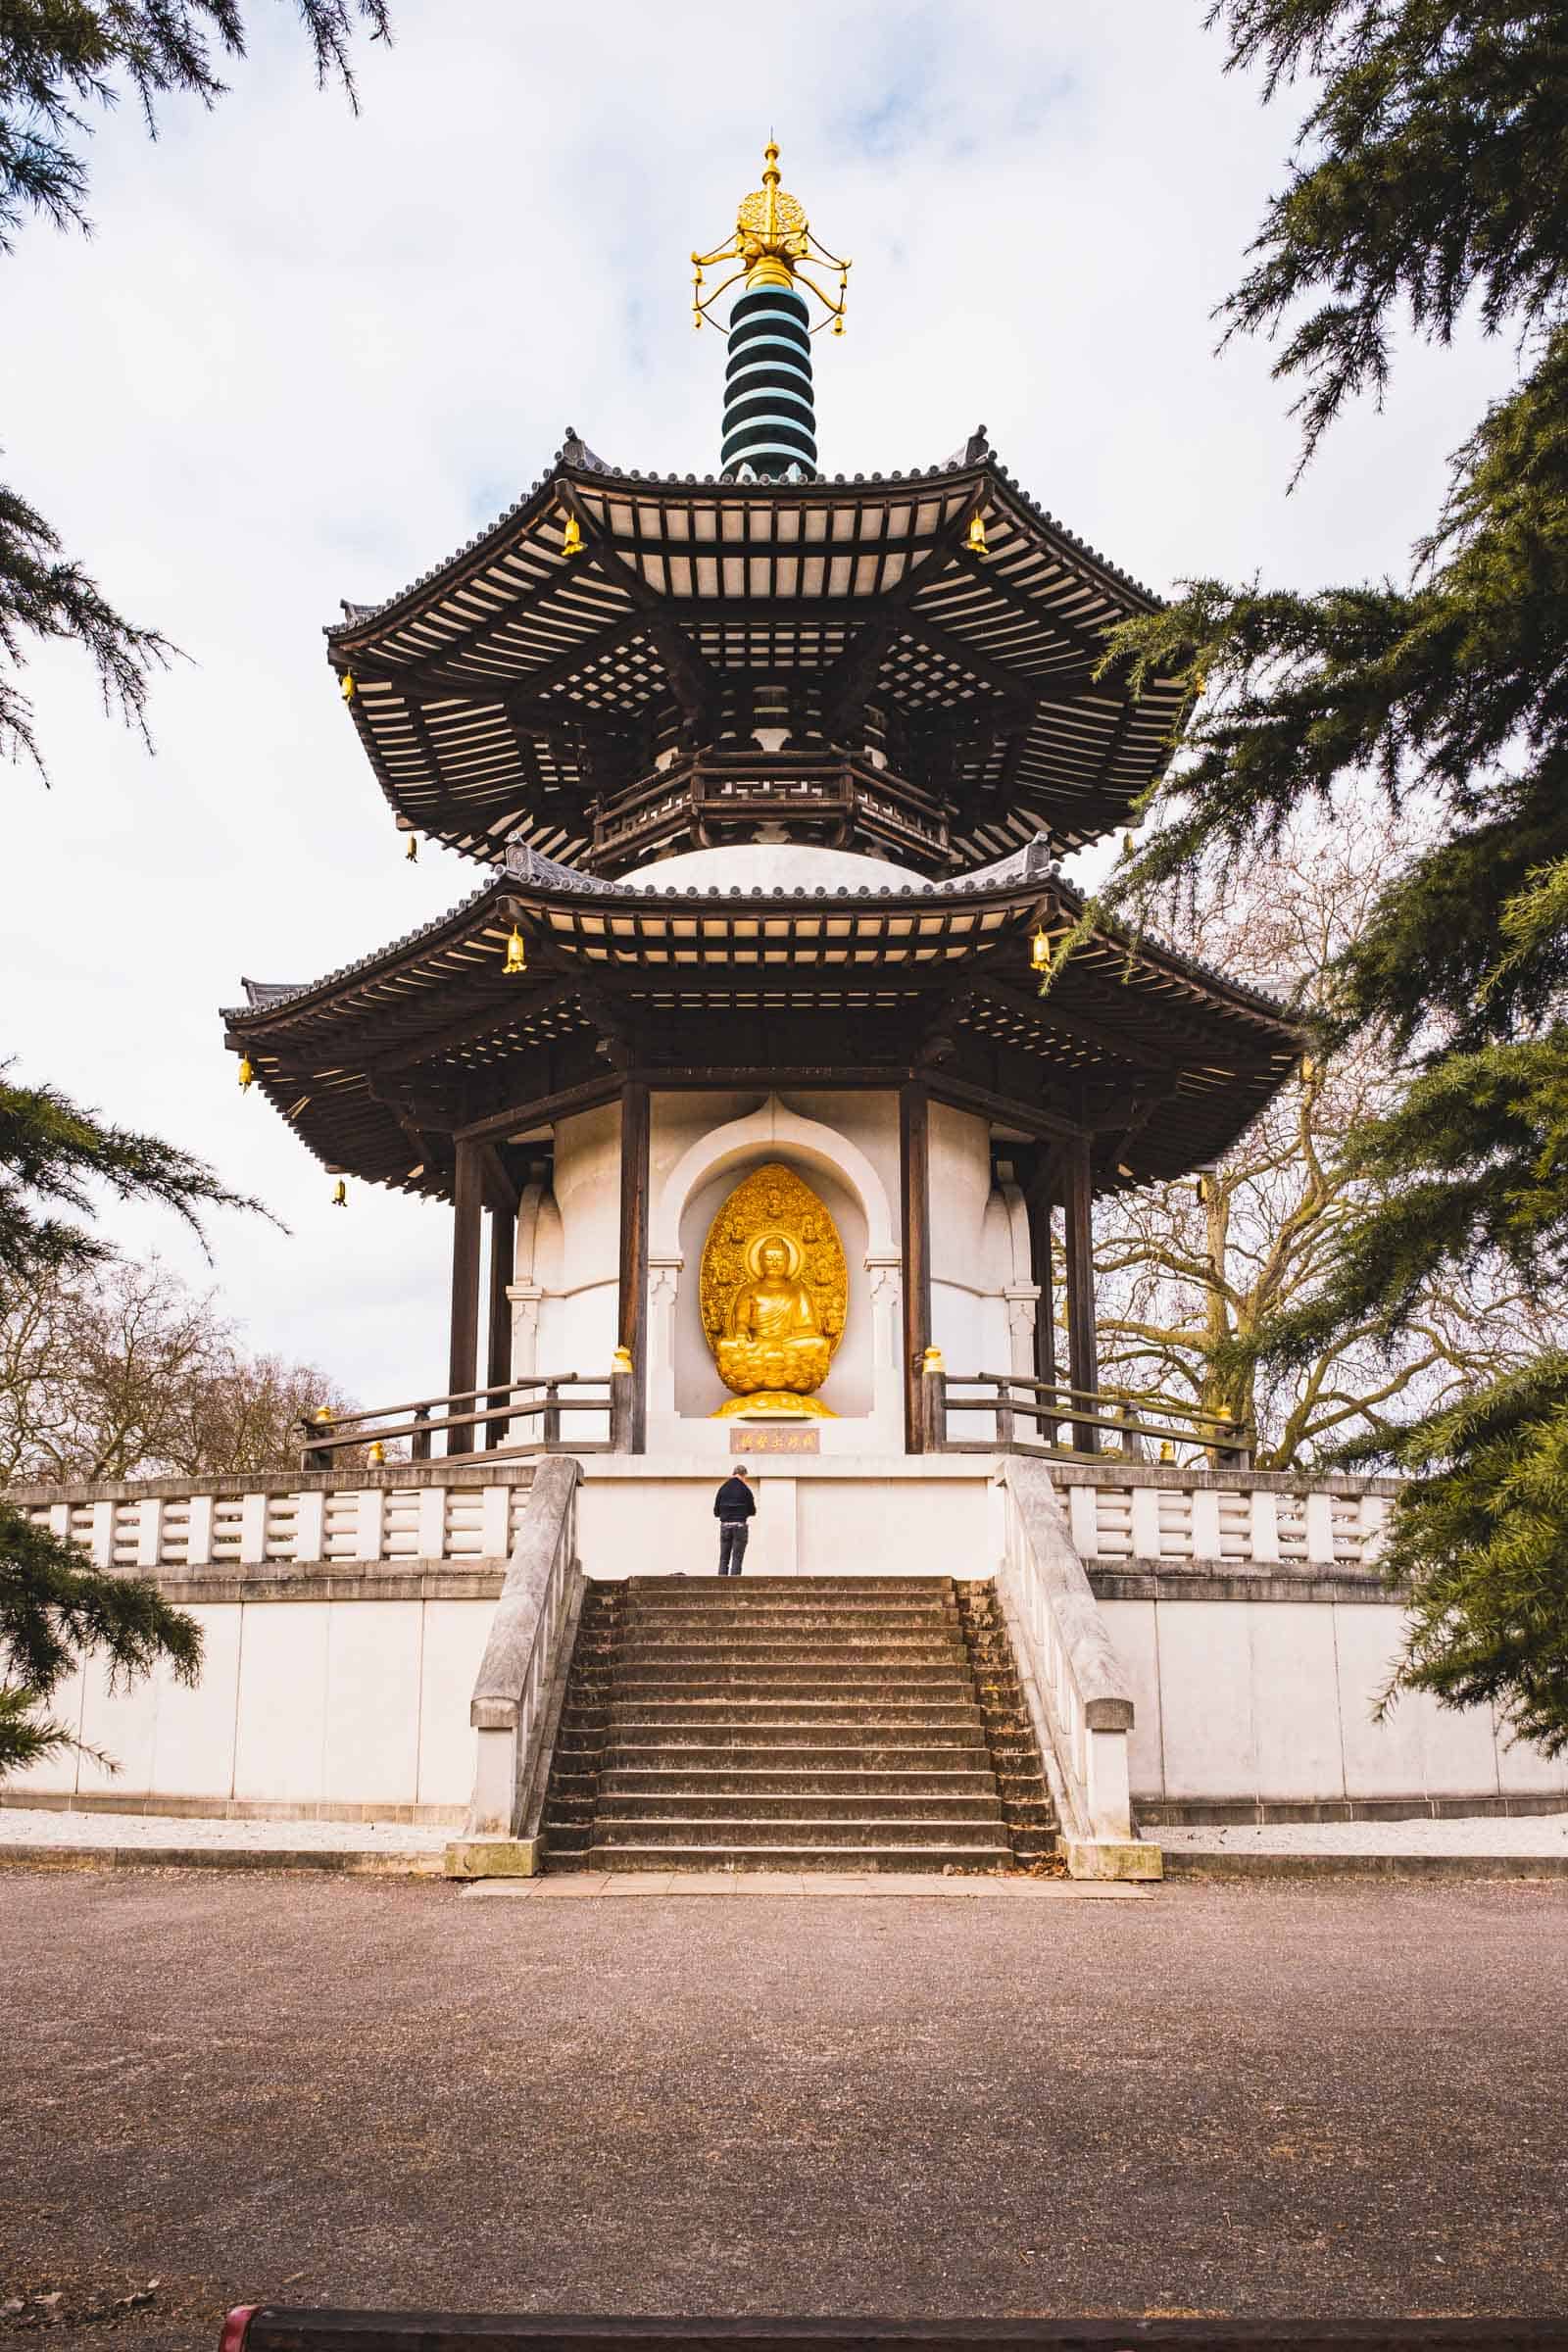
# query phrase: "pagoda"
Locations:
[[755, 1042]]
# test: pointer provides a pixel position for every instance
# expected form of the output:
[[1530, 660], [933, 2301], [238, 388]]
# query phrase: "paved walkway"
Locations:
[[1281, 2097], [1543, 1834], [389, 1844]]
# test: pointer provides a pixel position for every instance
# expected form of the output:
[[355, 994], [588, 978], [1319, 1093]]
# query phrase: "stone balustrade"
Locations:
[[1128, 1511], [194, 1528]]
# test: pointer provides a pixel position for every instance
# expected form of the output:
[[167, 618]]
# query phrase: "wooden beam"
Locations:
[[462, 1360], [634, 1177], [914, 1193], [1083, 1353]]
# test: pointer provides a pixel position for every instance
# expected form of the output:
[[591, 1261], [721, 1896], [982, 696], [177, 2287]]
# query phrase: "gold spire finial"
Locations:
[[772, 240]]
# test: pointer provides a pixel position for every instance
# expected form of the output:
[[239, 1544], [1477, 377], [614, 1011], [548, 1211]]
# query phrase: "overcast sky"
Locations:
[[306, 356]]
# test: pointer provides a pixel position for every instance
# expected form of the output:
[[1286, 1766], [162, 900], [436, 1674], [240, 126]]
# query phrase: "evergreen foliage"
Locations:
[[51, 1156], [1430, 176], [54, 1607]]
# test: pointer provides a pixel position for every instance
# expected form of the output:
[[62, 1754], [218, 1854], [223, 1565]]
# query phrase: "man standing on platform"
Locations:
[[734, 1507]]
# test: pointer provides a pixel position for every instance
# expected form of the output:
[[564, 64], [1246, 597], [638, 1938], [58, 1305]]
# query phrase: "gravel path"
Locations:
[[1513, 1834], [1281, 2097]]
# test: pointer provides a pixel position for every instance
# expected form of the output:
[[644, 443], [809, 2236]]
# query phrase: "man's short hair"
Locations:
[[739, 1470]]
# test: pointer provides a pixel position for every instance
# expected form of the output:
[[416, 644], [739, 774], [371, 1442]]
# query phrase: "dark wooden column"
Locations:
[[462, 1362], [1083, 1354], [914, 1188], [497, 1353], [634, 1123]]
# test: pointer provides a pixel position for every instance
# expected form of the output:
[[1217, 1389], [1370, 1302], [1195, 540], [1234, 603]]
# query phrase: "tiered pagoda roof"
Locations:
[[378, 1066], [626, 664]]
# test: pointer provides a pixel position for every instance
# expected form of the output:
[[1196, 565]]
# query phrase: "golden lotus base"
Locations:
[[774, 1405]]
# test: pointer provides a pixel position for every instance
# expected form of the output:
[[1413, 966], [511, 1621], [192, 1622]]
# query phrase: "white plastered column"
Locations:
[[774, 1127], [524, 1291]]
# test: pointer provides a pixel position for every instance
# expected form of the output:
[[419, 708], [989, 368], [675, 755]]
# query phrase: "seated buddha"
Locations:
[[776, 1338]]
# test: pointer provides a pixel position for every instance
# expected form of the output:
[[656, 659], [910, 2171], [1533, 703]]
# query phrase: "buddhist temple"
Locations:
[[755, 1045]]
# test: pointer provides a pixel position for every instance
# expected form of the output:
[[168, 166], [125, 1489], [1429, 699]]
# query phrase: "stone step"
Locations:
[[837, 1625], [823, 1751], [651, 1715], [795, 1814], [810, 1652], [813, 1676], [639, 1586], [682, 1782], [739, 1598], [973, 1837], [853, 1860]]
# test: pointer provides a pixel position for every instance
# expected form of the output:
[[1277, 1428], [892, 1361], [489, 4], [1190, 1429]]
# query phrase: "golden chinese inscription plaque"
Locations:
[[775, 1293]]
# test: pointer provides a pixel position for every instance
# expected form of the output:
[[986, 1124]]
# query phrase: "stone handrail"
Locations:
[[1073, 1680], [520, 1685]]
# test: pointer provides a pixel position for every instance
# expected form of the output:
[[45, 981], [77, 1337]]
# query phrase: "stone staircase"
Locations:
[[790, 1723]]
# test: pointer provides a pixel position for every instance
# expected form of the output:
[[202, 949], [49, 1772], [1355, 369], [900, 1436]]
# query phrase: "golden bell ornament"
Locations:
[[340, 1197], [571, 543], [412, 852], [516, 954], [350, 690], [977, 536], [247, 1076], [1040, 950]]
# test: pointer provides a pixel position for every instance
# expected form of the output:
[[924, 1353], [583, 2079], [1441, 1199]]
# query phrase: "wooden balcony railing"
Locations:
[[479, 1424], [1135, 1423]]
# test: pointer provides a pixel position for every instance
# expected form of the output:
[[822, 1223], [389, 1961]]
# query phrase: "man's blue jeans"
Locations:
[[732, 1534]]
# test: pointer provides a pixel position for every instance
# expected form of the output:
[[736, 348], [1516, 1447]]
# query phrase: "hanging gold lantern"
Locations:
[[340, 1197], [572, 541], [350, 690], [247, 1076], [1040, 950], [977, 536], [516, 954], [412, 852]]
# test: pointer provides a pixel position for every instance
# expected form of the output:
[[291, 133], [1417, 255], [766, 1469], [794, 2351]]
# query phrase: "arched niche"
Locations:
[[865, 1381]]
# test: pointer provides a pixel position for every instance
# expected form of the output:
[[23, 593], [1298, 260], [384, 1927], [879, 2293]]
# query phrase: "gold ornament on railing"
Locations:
[[376, 1454], [774, 1290]]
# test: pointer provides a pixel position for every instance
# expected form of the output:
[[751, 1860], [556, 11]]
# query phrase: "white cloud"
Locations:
[[306, 356]]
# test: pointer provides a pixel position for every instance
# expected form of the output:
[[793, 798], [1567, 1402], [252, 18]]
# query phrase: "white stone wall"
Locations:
[[1270, 1701], [341, 1705]]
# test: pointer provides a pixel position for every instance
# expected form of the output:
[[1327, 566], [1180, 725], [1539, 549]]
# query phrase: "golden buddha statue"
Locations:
[[774, 1288]]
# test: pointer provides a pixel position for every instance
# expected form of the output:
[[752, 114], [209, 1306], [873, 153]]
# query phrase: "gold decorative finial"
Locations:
[[772, 240]]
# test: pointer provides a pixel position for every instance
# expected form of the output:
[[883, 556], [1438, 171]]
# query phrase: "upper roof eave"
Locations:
[[576, 460]]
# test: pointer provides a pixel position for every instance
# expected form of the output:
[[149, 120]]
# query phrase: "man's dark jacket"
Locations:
[[734, 1500]]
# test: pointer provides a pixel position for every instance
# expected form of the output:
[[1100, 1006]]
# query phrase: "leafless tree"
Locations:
[[123, 1372], [1190, 1275]]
